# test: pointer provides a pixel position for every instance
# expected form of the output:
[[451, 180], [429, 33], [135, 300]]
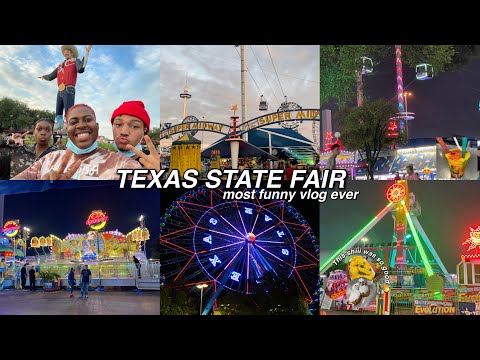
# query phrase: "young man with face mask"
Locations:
[[130, 125], [83, 159], [66, 75], [23, 156]]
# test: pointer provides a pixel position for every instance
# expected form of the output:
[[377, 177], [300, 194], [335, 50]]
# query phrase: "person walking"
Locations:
[[31, 274], [138, 266], [23, 276], [71, 281], [86, 274], [332, 160]]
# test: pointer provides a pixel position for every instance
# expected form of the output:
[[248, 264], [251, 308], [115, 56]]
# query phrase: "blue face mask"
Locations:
[[76, 150], [128, 153]]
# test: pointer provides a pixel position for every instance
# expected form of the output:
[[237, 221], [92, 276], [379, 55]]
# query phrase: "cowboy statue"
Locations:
[[66, 75]]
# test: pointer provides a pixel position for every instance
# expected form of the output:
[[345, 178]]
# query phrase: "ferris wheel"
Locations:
[[233, 244]]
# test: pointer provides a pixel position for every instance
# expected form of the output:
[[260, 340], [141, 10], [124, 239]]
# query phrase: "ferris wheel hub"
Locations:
[[251, 237]]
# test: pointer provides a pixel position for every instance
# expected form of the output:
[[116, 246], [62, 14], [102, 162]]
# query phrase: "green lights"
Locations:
[[420, 248], [356, 237]]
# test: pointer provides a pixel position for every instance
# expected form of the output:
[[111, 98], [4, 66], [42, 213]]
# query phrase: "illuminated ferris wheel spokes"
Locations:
[[226, 235], [230, 216], [241, 218]]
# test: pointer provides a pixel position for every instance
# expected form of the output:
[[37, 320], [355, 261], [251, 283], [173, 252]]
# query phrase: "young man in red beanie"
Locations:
[[130, 124]]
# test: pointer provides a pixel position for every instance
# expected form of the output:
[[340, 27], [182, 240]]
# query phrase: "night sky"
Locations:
[[448, 209], [63, 211], [446, 105]]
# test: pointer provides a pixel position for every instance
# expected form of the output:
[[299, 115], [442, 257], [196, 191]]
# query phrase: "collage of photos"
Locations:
[[157, 112], [398, 122], [403, 118]]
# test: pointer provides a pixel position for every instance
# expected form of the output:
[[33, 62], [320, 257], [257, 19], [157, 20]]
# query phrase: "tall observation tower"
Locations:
[[185, 95]]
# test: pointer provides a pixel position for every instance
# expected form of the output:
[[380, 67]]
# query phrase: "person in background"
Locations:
[[22, 156], [31, 274], [23, 275], [289, 171], [138, 265], [410, 175], [86, 274], [332, 160], [71, 281]]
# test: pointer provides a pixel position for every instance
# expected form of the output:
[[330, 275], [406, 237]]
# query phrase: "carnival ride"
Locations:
[[108, 253], [403, 251], [231, 244]]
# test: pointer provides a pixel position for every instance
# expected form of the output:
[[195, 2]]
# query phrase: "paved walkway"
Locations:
[[20, 302]]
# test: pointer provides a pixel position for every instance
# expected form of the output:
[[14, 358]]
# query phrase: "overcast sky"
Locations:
[[114, 74], [214, 81]]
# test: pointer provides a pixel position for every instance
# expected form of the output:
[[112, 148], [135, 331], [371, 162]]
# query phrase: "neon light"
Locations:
[[328, 141], [398, 66], [97, 220], [280, 233], [420, 248], [356, 237], [215, 260], [392, 130], [285, 252], [235, 276], [395, 193], [267, 218], [249, 211], [11, 228], [208, 239], [473, 241], [213, 221]]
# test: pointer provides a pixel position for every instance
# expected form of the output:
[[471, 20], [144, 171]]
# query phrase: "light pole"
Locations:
[[26, 234], [201, 286], [142, 225], [364, 240], [405, 96]]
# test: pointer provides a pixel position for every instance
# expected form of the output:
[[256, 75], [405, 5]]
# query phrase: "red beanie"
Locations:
[[133, 108]]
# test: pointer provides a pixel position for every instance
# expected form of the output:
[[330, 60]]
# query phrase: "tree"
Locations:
[[176, 302], [233, 303], [17, 115], [271, 296], [338, 64], [107, 146], [364, 129], [154, 133], [279, 296]]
